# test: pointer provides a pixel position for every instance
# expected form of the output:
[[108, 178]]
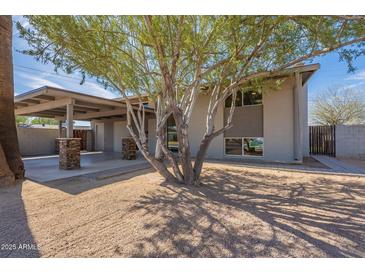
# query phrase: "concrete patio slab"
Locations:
[[44, 169]]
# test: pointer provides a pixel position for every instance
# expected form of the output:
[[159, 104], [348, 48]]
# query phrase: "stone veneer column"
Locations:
[[129, 148], [69, 153]]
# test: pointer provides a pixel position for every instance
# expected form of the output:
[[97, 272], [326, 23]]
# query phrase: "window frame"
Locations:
[[243, 155], [243, 105], [232, 155], [256, 156], [167, 136], [231, 96]]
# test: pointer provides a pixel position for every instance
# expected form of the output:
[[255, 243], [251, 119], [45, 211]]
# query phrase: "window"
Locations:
[[252, 97], [245, 146], [253, 146], [246, 98], [238, 100], [172, 135], [233, 146]]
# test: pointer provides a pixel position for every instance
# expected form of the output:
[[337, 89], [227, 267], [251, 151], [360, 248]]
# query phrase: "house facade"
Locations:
[[270, 125]]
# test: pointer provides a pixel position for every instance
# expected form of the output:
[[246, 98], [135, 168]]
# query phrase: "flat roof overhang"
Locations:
[[52, 102], [306, 71]]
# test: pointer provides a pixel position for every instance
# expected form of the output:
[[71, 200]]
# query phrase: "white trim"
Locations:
[[252, 106]]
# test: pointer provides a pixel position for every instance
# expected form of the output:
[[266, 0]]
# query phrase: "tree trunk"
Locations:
[[6, 175], [200, 157], [211, 133], [184, 148], [10, 156]]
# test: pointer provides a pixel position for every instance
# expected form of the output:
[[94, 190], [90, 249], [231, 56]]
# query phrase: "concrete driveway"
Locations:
[[45, 168]]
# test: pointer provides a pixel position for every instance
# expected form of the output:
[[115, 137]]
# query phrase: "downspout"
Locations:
[[298, 127]]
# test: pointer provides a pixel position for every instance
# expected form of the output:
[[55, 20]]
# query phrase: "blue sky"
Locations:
[[30, 74]]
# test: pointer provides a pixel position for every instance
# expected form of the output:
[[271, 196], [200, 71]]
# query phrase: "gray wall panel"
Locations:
[[247, 122]]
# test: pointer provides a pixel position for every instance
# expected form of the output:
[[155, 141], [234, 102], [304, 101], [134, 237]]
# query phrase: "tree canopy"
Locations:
[[174, 58], [132, 53], [339, 106], [21, 120], [35, 120]]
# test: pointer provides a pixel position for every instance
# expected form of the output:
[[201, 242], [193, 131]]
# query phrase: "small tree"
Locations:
[[339, 106], [43, 121], [173, 58], [21, 120]]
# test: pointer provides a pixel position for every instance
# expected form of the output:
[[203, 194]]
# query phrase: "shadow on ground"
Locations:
[[16, 239], [247, 214], [82, 183], [238, 212]]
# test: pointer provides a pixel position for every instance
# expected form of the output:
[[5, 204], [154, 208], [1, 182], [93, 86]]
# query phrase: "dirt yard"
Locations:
[[238, 212]]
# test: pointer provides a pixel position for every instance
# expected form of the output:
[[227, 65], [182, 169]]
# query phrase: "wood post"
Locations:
[[60, 129], [70, 120]]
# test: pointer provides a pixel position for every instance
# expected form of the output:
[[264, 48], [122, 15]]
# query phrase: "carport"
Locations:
[[64, 105], [68, 106]]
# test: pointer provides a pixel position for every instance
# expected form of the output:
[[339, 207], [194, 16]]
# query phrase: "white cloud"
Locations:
[[34, 81], [95, 90], [359, 75], [355, 85]]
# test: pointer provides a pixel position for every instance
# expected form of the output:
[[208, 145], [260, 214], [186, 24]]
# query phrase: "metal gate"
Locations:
[[322, 140]]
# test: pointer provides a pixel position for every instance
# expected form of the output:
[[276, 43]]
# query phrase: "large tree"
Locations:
[[339, 106], [173, 59], [11, 165]]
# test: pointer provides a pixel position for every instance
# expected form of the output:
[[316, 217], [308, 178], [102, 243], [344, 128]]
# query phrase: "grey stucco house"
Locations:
[[271, 125]]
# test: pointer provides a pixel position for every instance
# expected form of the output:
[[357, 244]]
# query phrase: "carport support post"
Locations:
[[60, 129], [69, 155], [70, 120]]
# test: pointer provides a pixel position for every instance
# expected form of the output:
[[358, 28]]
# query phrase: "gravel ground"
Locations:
[[238, 212]]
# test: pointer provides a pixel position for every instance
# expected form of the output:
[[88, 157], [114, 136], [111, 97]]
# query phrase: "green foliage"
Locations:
[[43, 121], [138, 55], [35, 120], [21, 120]]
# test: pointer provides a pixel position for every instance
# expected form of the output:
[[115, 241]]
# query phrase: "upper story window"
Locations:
[[247, 98], [252, 97], [238, 102]]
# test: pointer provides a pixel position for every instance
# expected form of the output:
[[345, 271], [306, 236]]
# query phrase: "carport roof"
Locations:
[[52, 102]]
